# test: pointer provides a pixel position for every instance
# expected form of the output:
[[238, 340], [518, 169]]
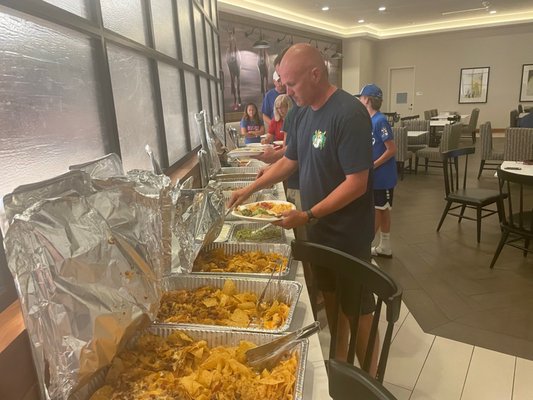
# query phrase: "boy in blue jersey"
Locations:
[[383, 151]]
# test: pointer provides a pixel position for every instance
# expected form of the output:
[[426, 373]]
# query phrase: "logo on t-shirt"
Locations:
[[319, 139]]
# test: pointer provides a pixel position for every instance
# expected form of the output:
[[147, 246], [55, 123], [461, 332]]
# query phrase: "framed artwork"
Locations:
[[473, 85], [526, 89]]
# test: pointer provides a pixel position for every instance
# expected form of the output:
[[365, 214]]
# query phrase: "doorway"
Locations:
[[401, 94]]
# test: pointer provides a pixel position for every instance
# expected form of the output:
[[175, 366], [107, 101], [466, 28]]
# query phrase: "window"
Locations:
[[84, 78]]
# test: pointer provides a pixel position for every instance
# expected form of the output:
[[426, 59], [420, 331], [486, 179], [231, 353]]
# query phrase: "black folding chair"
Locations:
[[360, 274]]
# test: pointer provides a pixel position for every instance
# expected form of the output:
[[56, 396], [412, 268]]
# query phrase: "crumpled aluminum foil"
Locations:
[[87, 256], [104, 167], [198, 220]]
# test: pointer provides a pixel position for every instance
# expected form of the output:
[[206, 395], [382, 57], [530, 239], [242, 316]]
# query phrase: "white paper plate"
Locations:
[[258, 145], [278, 142], [246, 152], [262, 218]]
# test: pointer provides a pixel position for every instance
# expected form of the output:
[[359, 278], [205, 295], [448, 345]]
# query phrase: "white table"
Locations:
[[446, 116], [416, 133], [523, 169]]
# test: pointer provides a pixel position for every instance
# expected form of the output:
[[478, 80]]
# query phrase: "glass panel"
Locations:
[[164, 27], [77, 7], [214, 98], [134, 103], [193, 105], [184, 19], [210, 50], [125, 18], [174, 123], [204, 86], [217, 57], [49, 114], [200, 40]]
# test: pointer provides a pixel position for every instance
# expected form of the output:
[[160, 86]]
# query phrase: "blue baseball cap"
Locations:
[[371, 90]]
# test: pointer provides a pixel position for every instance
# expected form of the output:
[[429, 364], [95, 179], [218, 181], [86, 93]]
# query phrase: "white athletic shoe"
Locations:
[[379, 252]]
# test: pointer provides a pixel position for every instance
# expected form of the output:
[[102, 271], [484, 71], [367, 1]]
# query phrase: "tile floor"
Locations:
[[422, 366]]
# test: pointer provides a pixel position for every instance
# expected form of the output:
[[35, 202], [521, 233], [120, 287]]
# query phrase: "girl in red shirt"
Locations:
[[281, 107]]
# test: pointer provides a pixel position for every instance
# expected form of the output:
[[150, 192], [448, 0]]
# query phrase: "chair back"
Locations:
[[472, 123], [418, 125], [485, 133], [427, 114], [518, 214], [360, 274], [400, 138], [451, 168], [520, 109], [392, 117], [513, 118], [518, 144], [451, 137], [347, 382]]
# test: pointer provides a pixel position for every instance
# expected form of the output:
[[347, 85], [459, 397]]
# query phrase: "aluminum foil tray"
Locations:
[[286, 291], [239, 177], [256, 225], [232, 248], [239, 170], [232, 185], [213, 337]]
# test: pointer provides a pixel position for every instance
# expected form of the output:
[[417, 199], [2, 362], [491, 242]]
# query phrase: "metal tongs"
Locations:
[[270, 354]]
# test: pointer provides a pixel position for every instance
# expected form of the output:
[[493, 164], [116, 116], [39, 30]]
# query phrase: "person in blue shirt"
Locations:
[[251, 125], [383, 151]]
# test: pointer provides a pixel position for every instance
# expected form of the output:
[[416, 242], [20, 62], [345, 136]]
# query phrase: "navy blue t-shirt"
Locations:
[[329, 144], [293, 181], [385, 174]]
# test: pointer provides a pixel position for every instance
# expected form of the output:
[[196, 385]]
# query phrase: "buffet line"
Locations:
[[135, 288]]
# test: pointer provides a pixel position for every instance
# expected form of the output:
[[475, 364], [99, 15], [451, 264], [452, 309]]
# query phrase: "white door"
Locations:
[[401, 94]]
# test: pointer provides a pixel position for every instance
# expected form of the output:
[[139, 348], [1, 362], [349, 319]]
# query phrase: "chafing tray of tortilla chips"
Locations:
[[233, 248], [213, 337], [285, 291]]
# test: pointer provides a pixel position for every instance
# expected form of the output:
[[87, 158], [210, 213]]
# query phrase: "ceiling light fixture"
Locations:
[[325, 8], [382, 8], [361, 21]]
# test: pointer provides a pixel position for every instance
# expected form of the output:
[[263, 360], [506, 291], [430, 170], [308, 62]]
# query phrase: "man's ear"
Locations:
[[315, 74]]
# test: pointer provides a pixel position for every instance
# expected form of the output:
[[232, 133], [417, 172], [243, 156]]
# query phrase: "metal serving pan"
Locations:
[[238, 177], [213, 337], [256, 225], [286, 291], [233, 248], [239, 170]]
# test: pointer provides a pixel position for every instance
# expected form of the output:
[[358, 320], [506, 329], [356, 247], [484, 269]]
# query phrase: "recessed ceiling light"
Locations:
[[361, 21], [492, 12], [382, 8], [325, 8]]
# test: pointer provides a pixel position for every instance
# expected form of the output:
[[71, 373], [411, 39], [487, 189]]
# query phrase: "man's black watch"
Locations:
[[310, 217]]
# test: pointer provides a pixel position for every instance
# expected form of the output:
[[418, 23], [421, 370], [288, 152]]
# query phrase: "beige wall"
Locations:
[[438, 59]]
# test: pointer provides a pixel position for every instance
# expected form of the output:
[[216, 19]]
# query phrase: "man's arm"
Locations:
[[390, 151], [281, 170], [266, 119], [353, 187]]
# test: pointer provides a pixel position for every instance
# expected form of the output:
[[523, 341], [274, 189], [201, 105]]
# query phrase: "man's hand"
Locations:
[[270, 155], [239, 195], [292, 219]]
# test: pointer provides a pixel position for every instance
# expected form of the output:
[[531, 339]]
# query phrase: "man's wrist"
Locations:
[[310, 216]]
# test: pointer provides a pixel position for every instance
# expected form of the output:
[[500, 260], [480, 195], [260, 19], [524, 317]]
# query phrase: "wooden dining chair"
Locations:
[[517, 221], [359, 274], [403, 154], [463, 197], [518, 144], [433, 155], [490, 158], [347, 382]]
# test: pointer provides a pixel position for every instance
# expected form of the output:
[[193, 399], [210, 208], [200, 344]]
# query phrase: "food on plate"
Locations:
[[178, 367], [264, 209], [255, 235], [216, 260], [225, 307]]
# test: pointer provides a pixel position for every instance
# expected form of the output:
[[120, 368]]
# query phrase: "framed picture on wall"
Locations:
[[526, 89], [473, 85]]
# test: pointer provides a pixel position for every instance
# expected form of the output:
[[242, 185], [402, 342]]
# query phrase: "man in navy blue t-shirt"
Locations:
[[331, 146]]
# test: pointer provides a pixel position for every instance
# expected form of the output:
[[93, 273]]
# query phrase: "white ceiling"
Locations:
[[402, 17]]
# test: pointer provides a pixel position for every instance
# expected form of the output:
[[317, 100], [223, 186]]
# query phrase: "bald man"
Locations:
[[331, 146]]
